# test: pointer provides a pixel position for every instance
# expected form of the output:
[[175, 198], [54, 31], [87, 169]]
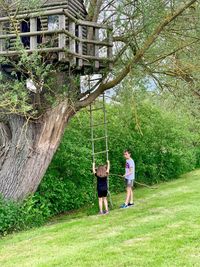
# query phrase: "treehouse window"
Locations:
[[39, 28], [53, 23], [25, 27]]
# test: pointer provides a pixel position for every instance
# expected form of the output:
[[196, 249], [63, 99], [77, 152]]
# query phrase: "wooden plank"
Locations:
[[46, 32], [33, 28], [77, 9], [92, 24], [61, 36], [1, 41], [92, 58], [110, 47], [86, 23], [80, 46], [34, 14], [51, 32], [72, 42], [96, 48], [50, 6], [42, 50], [53, 50], [56, 12]]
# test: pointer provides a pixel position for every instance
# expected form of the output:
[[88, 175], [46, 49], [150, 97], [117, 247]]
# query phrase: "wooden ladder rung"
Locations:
[[97, 79], [100, 124], [94, 109], [101, 152], [99, 138]]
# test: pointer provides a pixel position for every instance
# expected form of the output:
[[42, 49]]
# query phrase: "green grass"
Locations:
[[163, 229]]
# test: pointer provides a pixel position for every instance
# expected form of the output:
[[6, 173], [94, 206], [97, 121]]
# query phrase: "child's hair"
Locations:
[[102, 171], [128, 151]]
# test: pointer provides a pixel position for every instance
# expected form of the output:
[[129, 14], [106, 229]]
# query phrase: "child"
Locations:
[[129, 179], [102, 185]]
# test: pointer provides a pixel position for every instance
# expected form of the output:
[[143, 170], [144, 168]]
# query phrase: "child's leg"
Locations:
[[131, 195], [105, 201], [128, 194], [100, 204]]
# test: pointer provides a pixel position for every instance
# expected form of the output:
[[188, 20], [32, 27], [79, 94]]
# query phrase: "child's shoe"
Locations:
[[124, 206], [106, 212], [101, 213], [131, 204]]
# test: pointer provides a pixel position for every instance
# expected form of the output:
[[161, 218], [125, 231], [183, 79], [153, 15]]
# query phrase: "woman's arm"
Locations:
[[93, 168], [108, 166]]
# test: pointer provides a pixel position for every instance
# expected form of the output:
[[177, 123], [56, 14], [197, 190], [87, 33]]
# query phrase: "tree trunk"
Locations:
[[27, 148]]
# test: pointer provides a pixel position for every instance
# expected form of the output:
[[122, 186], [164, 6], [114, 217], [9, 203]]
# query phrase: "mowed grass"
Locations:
[[163, 229]]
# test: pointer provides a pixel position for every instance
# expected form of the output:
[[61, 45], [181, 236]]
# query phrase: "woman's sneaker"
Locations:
[[101, 213], [106, 212], [124, 206], [131, 204]]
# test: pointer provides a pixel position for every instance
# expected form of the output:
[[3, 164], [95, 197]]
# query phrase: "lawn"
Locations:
[[163, 229]]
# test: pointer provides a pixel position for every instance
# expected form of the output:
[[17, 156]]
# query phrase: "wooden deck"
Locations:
[[75, 41]]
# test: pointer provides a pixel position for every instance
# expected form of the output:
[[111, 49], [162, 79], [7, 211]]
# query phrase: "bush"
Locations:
[[22, 215]]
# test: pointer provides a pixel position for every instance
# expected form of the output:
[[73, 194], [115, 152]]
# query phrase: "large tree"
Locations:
[[157, 39]]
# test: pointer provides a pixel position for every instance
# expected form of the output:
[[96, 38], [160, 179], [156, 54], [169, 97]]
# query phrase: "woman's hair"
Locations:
[[102, 171]]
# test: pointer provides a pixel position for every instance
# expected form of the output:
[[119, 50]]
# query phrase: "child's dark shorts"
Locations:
[[102, 193], [129, 183]]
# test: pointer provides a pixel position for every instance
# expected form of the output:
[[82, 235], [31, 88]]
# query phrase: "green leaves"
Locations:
[[14, 98]]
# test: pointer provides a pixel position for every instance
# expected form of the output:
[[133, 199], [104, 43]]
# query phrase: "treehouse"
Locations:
[[59, 31]]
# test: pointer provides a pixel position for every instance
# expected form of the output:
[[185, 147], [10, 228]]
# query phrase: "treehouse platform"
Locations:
[[60, 32]]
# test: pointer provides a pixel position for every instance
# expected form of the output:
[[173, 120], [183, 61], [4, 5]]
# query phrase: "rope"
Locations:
[[142, 184]]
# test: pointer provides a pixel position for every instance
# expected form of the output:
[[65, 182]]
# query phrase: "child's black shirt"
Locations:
[[102, 183]]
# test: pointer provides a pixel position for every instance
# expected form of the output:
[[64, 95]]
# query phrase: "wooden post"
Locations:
[[33, 28], [96, 48], [72, 42], [90, 36], [1, 40], [110, 48], [62, 38], [80, 46]]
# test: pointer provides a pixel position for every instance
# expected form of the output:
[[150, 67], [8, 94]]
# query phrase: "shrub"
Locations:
[[15, 216]]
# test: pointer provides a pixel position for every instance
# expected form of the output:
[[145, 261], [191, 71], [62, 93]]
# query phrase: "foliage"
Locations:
[[15, 216]]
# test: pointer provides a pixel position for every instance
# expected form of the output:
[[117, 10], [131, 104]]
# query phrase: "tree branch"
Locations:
[[140, 53]]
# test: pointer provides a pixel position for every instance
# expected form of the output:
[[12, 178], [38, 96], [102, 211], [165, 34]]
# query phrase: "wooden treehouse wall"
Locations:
[[72, 33]]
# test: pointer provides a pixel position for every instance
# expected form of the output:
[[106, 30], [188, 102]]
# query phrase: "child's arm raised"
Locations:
[[93, 168], [108, 166]]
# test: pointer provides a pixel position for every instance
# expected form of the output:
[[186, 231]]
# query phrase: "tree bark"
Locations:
[[27, 148]]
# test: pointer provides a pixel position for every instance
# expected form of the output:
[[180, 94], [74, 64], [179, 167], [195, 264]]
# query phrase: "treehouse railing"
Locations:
[[68, 40]]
